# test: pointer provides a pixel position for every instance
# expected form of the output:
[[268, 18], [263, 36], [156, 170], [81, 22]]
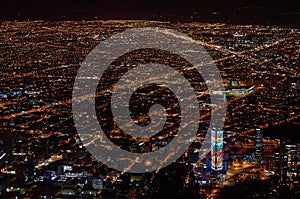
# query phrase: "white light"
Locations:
[[2, 156]]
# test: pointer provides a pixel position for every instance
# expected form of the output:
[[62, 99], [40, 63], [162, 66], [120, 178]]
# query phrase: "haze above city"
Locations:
[[214, 11]]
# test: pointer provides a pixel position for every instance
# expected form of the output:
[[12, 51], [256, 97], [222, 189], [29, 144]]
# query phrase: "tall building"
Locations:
[[225, 162], [270, 164], [258, 146], [277, 162], [292, 159], [281, 162], [284, 165], [286, 159], [217, 150]]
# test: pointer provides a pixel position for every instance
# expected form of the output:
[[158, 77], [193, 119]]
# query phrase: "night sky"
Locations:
[[224, 11]]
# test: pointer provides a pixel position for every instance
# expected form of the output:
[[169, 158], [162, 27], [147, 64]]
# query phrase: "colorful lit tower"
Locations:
[[217, 150]]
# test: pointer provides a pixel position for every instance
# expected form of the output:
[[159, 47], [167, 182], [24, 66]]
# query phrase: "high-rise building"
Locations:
[[258, 146], [277, 162], [292, 159], [216, 150], [286, 159], [225, 162], [284, 166], [270, 164]]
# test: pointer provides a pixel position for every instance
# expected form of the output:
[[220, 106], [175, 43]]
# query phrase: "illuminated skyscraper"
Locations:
[[277, 162], [258, 145], [292, 159], [286, 159], [216, 150]]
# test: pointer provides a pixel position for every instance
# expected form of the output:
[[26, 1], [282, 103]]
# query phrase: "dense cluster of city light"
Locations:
[[42, 155]]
